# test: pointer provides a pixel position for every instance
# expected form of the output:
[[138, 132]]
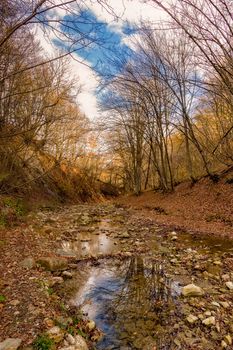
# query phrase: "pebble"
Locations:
[[229, 285], [67, 274], [192, 319], [210, 321], [191, 290]]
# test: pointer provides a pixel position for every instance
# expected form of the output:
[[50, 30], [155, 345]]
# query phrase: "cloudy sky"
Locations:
[[112, 26]]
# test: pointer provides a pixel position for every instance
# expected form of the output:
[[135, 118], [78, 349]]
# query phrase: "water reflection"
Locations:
[[132, 301], [88, 244]]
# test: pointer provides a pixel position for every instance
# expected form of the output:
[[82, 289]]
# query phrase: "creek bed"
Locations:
[[135, 297]]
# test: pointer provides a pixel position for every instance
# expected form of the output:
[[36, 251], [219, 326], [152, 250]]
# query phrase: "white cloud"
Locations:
[[114, 16]]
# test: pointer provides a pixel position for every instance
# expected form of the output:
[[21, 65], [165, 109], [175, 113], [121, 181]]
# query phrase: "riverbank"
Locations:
[[205, 207]]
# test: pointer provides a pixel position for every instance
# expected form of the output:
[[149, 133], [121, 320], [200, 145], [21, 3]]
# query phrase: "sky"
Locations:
[[111, 26]]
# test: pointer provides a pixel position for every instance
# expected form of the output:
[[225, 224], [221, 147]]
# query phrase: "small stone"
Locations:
[[210, 321], [173, 233], [55, 333], [80, 343], [70, 339], [215, 304], [14, 302], [67, 274], [91, 325], [174, 238], [207, 313], [229, 285], [191, 319], [224, 304], [223, 344], [226, 277], [10, 344], [124, 235], [228, 339], [191, 290]]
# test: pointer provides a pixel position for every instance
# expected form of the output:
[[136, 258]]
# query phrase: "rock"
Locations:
[[91, 325], [191, 290], [67, 274], [228, 339], [215, 304], [55, 333], [79, 344], [52, 263], [224, 304], [173, 233], [124, 235], [174, 238], [229, 285], [14, 302], [10, 344], [207, 313], [217, 262], [223, 344], [28, 263], [210, 321], [70, 339], [191, 319], [226, 277]]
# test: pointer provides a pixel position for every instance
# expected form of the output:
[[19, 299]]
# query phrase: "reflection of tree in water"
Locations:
[[144, 305]]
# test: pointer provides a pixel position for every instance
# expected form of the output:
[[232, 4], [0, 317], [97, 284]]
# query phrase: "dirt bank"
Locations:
[[205, 207]]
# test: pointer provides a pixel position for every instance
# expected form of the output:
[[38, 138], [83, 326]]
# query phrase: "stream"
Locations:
[[130, 278]]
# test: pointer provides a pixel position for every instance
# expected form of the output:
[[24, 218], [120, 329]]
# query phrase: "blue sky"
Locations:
[[103, 42]]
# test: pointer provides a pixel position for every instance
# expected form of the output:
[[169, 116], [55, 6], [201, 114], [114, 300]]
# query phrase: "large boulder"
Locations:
[[52, 263], [191, 290]]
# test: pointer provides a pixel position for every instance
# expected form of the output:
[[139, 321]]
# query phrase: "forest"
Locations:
[[116, 174]]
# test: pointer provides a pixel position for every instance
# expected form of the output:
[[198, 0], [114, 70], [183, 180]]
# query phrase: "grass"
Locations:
[[2, 298], [43, 342]]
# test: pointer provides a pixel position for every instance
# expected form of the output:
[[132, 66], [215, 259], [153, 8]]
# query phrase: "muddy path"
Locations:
[[129, 276]]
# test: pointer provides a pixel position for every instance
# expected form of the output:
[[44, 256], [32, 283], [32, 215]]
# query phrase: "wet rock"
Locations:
[[10, 344], [28, 263], [229, 285], [191, 290], [210, 321], [52, 263]]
